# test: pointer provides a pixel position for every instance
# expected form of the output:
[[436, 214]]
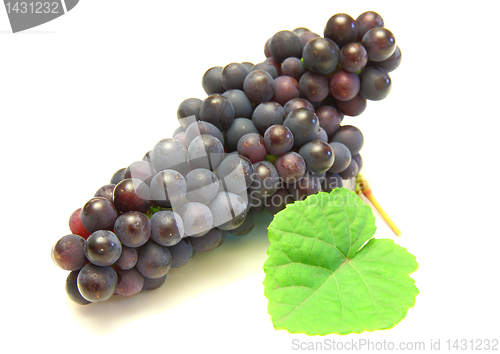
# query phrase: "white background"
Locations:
[[92, 91]]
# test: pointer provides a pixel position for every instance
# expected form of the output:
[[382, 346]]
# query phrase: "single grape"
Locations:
[[98, 214], [199, 128], [131, 195], [314, 87], [235, 173], [329, 119], [240, 127], [96, 283], [297, 103], [197, 218], [278, 139], [293, 67], [181, 252], [267, 114], [128, 258], [253, 147], [330, 182], [72, 289], [375, 83], [342, 29], [75, 224], [233, 75], [169, 154], [350, 171], [188, 108], [228, 210], [322, 136], [133, 228], [259, 86], [218, 110], [389, 64], [366, 21], [353, 107], [265, 180], [130, 282], [118, 176], [154, 260], [353, 57], [167, 228], [68, 253], [291, 167], [379, 43], [351, 137], [212, 81], [285, 44], [318, 156], [153, 284], [202, 185], [286, 88], [207, 242], [106, 191], [321, 55], [305, 187], [303, 124], [103, 248], [205, 151], [342, 157], [343, 85], [168, 188], [242, 105]]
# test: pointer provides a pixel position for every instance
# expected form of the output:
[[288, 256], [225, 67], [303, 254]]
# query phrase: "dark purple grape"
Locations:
[[106, 192], [342, 157], [235, 173], [154, 260], [353, 107], [379, 43], [351, 137], [321, 55], [359, 161], [242, 105], [141, 170], [128, 258], [205, 151], [278, 201], [297, 103], [259, 86], [350, 171], [233, 75], [168, 188], [342, 29], [329, 119], [318, 156], [72, 289], [267, 114], [98, 214], [181, 252], [278, 139], [293, 67], [286, 88], [240, 127], [353, 57], [285, 44], [306, 186], [228, 210], [366, 21], [188, 108], [303, 124], [96, 283], [207, 242], [118, 176], [167, 228], [265, 180], [267, 67], [199, 128], [153, 284], [308, 36], [68, 253], [218, 110], [130, 282], [391, 63], [133, 228], [375, 83], [344, 86], [103, 248], [212, 80], [253, 147], [330, 182], [314, 87], [291, 167], [131, 195], [321, 136]]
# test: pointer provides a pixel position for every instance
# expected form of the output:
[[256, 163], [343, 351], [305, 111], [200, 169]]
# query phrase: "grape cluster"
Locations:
[[266, 135]]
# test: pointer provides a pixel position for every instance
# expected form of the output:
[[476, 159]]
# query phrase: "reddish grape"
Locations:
[[253, 147], [75, 224]]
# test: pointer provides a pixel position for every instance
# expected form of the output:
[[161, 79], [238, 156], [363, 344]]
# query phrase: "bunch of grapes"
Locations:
[[266, 135]]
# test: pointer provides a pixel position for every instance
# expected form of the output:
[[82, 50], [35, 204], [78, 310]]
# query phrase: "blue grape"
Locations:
[[366, 21], [329, 119], [154, 260], [207, 242], [106, 191], [303, 124], [128, 258], [342, 29], [353, 57], [278, 201], [321, 55], [95, 283], [278, 139], [212, 80], [267, 67], [118, 176], [318, 156], [267, 114], [314, 87], [169, 154], [330, 182], [359, 161], [342, 157], [297, 103], [153, 284], [305, 187], [351, 137], [103, 248], [293, 67], [189, 107], [218, 110], [235, 173], [379, 43], [240, 127], [242, 105], [181, 252], [199, 128], [353, 107], [205, 151], [375, 83], [285, 44], [350, 171], [68, 253], [259, 86], [391, 63], [265, 180], [141, 170], [233, 75], [167, 228], [133, 228]]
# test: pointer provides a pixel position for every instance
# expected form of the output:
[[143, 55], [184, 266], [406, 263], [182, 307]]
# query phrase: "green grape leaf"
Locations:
[[325, 274]]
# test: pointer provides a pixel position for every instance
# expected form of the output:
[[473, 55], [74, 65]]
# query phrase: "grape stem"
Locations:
[[362, 187]]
